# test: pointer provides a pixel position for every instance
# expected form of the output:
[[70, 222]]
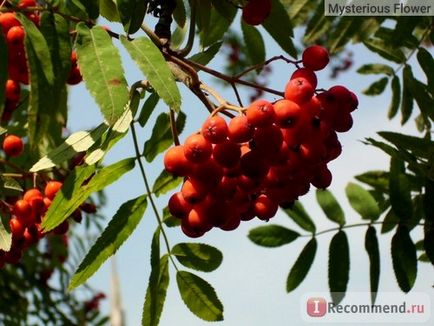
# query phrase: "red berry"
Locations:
[[256, 11], [13, 146], [7, 21], [260, 113], [240, 130], [15, 36], [62, 228], [197, 149], [307, 74], [287, 113], [264, 208], [35, 199], [192, 192], [299, 90], [315, 57], [74, 77], [254, 165], [178, 206], [12, 90], [17, 227], [215, 129], [227, 154], [52, 188], [175, 161], [26, 3], [322, 178]]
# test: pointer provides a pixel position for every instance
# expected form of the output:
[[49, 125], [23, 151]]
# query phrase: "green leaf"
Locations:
[[407, 98], [165, 182], [161, 137], [375, 68], [199, 296], [377, 179], [421, 147], [169, 220], [147, 109], [157, 286], [101, 67], [390, 221], [426, 62], [376, 88], [152, 63], [420, 93], [203, 14], [428, 204], [78, 186], [254, 43], [217, 26], [371, 246], [396, 97], [404, 259], [78, 142], [330, 206], [5, 238], [118, 230], [299, 215], [179, 15], [92, 8], [399, 190], [206, 56], [301, 266], [317, 26], [279, 26], [428, 243], [388, 52], [272, 236], [198, 256], [345, 29], [109, 10], [362, 202], [338, 266], [3, 70], [9, 183], [132, 13]]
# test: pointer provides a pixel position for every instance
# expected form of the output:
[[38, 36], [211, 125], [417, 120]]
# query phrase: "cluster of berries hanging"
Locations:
[[264, 158], [18, 73]]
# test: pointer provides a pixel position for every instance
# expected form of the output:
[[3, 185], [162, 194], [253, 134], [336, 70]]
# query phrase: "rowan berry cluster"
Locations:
[[264, 158], [18, 73]]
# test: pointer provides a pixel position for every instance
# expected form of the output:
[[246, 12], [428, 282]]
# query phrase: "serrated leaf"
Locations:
[[109, 10], [117, 232], [169, 220], [152, 63], [164, 183], [147, 109], [9, 183], [279, 26], [132, 13], [272, 236], [362, 202], [426, 62], [199, 296], [78, 142], [301, 266], [388, 52], [404, 259], [157, 285], [161, 137], [330, 206], [101, 67], [338, 266], [375, 68], [399, 190], [206, 56], [371, 246], [198, 256], [254, 43], [376, 88], [78, 186], [3, 70], [217, 26], [299, 215], [396, 97], [407, 98], [5, 238]]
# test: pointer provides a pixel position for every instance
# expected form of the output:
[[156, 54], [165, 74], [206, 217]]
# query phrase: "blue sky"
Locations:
[[251, 279]]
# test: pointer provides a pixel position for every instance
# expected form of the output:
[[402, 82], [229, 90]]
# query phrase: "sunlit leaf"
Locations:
[[5, 238]]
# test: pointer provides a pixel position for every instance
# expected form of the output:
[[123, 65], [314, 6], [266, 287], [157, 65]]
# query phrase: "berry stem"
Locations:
[[223, 104], [266, 62], [149, 193]]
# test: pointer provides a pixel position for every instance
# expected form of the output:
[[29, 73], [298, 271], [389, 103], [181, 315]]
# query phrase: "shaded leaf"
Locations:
[[362, 202], [426, 62], [169, 220], [377, 87], [199, 296], [161, 137], [254, 43], [198, 256], [180, 14], [217, 25], [345, 29], [109, 10], [428, 243], [101, 67], [118, 230], [299, 215], [371, 246], [338, 266], [165, 182], [206, 56], [78, 186], [377, 179], [396, 97], [375, 68], [330, 206], [152, 63], [132, 13], [272, 236], [9, 183], [404, 259], [388, 52], [421, 147], [399, 190], [317, 25], [147, 108], [301, 266], [407, 98]]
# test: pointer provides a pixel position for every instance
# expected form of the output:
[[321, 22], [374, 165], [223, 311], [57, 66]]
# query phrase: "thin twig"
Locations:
[[262, 64], [190, 40], [173, 127]]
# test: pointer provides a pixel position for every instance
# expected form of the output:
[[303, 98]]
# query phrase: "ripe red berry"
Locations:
[[13, 146], [227, 154], [62, 228], [315, 57], [178, 206], [260, 113], [26, 3], [307, 74], [35, 199], [256, 11], [322, 178], [192, 193], [264, 208], [215, 129], [287, 113], [17, 227], [299, 90], [74, 77], [7, 21], [254, 165], [12, 90], [343, 122], [15, 37], [240, 130], [52, 188], [175, 161], [197, 149]]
